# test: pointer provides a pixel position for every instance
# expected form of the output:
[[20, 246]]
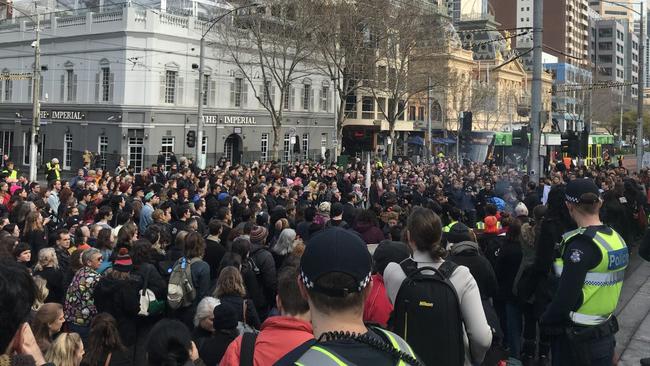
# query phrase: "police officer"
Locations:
[[591, 265], [335, 279], [53, 170], [9, 173]]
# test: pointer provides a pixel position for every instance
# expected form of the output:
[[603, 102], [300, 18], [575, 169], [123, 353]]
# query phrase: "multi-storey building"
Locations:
[[570, 99], [616, 55], [565, 27], [122, 82], [609, 10]]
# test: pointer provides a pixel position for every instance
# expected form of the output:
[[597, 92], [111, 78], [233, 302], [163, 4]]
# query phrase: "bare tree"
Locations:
[[409, 34], [271, 47]]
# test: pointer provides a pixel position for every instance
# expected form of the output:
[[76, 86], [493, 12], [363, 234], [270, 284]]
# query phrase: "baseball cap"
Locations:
[[578, 191], [459, 232], [335, 250]]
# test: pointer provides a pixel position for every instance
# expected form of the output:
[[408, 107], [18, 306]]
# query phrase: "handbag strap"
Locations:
[[108, 359], [247, 351], [145, 285], [244, 308]]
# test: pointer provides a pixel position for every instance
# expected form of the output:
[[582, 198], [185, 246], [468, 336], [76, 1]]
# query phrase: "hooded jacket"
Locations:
[[467, 254], [279, 335]]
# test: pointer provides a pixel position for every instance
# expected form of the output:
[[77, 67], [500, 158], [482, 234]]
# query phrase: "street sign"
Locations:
[[293, 140], [16, 76]]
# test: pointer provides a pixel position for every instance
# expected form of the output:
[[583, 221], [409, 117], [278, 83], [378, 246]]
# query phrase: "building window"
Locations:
[[170, 86], [325, 99], [286, 147], [71, 85], [238, 93], [206, 89], [67, 150], [306, 97], [6, 87], [106, 72], [305, 146], [267, 94], [102, 149], [288, 97], [421, 114], [412, 111], [351, 106], [367, 108], [264, 147], [166, 149], [7, 142], [136, 152]]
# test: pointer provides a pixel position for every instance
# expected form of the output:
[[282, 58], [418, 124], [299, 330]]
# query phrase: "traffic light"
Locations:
[[191, 139], [467, 121]]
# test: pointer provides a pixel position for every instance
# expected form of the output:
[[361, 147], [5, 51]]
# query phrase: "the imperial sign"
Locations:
[[239, 120], [64, 115]]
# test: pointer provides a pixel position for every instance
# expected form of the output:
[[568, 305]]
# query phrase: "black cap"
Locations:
[[389, 251], [335, 250], [577, 191], [225, 316], [459, 232], [336, 209], [72, 221]]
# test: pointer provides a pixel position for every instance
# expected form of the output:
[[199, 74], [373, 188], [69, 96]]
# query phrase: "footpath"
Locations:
[[633, 313]]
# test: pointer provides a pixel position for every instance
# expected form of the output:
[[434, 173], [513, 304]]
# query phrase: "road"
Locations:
[[633, 313]]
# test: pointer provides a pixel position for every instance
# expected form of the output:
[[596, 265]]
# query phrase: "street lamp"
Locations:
[[640, 93], [211, 23]]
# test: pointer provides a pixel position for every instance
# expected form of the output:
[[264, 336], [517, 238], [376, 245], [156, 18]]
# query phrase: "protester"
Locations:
[[47, 322]]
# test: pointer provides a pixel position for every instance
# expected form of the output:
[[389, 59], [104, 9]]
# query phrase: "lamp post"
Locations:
[[199, 133], [640, 93], [36, 87]]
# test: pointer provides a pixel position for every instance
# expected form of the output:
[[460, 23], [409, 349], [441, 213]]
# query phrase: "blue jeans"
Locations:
[[513, 328], [601, 351]]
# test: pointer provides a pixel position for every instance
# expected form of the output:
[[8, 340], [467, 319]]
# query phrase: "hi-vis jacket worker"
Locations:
[[591, 266], [53, 170]]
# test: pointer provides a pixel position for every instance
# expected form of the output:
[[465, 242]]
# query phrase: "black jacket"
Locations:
[[54, 278], [237, 303], [214, 252], [267, 276], [120, 298], [467, 254], [212, 346]]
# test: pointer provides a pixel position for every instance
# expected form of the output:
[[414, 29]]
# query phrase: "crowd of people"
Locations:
[[272, 264]]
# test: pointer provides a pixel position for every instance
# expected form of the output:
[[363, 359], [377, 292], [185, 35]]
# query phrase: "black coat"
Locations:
[[467, 254], [212, 346], [214, 252], [267, 278], [120, 298], [237, 303], [54, 278]]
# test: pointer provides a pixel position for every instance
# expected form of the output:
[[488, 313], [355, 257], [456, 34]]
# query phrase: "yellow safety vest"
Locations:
[[12, 175], [447, 228], [481, 225], [54, 168], [319, 355], [603, 283]]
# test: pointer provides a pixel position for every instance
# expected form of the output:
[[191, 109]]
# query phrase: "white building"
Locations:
[[120, 81]]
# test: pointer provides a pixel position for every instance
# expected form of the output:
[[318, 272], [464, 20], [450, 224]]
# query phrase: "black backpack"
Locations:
[[427, 314]]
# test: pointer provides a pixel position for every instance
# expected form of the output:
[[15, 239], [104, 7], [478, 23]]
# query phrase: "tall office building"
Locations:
[[566, 32], [613, 11]]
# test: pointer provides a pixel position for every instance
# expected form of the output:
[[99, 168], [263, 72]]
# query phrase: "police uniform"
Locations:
[[591, 266], [335, 250], [447, 228]]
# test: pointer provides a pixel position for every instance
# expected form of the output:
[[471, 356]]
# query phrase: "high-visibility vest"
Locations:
[[447, 228], [603, 283], [53, 168], [320, 355], [13, 174], [481, 225]]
